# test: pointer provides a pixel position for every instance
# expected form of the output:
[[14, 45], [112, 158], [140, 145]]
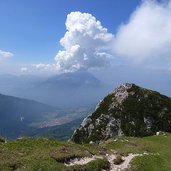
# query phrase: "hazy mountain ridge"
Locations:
[[57, 90], [17, 114], [127, 110]]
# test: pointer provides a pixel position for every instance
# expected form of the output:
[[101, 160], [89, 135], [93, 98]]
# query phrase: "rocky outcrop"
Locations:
[[128, 110]]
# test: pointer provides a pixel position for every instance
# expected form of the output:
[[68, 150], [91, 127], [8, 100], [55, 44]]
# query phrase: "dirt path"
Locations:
[[113, 167], [83, 161], [124, 165]]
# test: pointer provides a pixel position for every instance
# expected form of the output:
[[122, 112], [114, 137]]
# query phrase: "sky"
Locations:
[[59, 36], [32, 29]]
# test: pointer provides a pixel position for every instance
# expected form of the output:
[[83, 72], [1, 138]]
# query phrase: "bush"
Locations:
[[2, 140], [118, 160]]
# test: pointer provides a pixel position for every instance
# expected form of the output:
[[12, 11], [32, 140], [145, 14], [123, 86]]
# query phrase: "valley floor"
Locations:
[[120, 153]]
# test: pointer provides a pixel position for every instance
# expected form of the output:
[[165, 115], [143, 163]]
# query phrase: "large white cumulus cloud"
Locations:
[[85, 43], [144, 39], [147, 35]]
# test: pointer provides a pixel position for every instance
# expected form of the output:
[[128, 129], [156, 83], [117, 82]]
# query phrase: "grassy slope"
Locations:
[[46, 154], [158, 147]]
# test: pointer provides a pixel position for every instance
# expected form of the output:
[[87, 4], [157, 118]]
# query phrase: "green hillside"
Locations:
[[33, 154], [128, 110], [17, 115]]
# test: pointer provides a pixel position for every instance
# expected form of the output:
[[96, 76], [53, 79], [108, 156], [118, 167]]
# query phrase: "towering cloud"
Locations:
[[84, 43], [147, 35]]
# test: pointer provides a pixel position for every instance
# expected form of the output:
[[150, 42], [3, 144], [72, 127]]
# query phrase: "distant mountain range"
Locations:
[[68, 90], [17, 116], [53, 101], [23, 117]]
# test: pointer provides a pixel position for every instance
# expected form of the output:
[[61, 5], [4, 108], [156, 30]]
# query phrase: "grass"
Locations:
[[34, 154], [41, 154], [157, 147]]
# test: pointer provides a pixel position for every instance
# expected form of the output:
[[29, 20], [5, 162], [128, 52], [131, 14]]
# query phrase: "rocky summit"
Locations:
[[128, 110]]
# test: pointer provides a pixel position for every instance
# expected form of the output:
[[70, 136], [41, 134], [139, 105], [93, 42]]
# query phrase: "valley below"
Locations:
[[129, 130], [85, 85]]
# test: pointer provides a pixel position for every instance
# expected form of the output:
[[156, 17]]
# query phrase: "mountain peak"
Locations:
[[121, 92], [128, 110]]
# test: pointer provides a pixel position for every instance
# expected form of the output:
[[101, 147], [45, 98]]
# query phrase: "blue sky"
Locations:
[[62, 36], [31, 29]]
